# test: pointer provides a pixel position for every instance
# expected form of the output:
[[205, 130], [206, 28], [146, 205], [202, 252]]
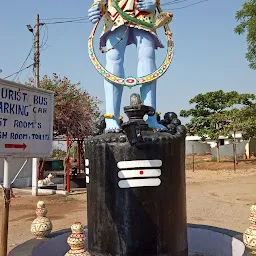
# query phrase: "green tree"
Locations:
[[243, 120], [234, 123], [75, 111], [58, 154], [240, 120], [247, 18], [207, 114], [74, 150]]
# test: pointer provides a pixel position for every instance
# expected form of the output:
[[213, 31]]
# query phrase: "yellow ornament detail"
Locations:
[[108, 115], [113, 78], [162, 21]]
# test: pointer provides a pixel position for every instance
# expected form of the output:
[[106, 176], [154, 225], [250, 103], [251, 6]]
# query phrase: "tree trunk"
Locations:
[[66, 163], [234, 151], [82, 157], [218, 150], [218, 143]]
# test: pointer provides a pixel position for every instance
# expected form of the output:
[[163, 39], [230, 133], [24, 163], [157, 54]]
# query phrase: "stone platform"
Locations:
[[202, 241]]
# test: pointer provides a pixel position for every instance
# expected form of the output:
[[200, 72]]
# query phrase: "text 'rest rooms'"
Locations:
[[15, 103]]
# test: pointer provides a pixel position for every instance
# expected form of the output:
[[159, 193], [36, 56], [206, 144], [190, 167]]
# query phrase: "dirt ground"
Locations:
[[216, 197]]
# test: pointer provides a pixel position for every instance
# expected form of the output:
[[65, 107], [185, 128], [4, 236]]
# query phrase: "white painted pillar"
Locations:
[[6, 181], [34, 177]]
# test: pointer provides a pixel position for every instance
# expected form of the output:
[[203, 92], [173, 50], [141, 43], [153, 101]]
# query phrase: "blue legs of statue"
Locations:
[[115, 65], [146, 65]]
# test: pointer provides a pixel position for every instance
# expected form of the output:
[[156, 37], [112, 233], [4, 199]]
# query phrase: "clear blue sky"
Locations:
[[208, 55]]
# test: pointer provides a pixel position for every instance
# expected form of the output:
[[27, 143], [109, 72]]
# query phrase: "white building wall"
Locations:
[[212, 143], [24, 178]]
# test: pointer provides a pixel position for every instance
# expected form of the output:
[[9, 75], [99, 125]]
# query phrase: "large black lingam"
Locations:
[[136, 189]]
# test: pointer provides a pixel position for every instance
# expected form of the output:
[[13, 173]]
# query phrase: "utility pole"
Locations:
[[37, 81], [37, 51]]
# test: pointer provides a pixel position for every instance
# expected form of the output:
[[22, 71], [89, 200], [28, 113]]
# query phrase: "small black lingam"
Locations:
[[136, 125], [136, 189]]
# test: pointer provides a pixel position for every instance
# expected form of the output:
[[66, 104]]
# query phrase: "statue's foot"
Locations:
[[112, 126], [152, 123]]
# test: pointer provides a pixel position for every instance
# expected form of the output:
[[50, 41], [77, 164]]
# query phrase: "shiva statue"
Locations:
[[129, 22]]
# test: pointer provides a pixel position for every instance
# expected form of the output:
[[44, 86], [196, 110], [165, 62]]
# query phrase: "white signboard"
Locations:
[[26, 120]]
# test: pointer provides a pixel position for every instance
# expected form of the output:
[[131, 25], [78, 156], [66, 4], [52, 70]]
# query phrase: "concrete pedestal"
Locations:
[[137, 195]]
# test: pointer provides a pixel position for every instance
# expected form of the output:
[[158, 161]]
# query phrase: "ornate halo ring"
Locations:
[[132, 81]]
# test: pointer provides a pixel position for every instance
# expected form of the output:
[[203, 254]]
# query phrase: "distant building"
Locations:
[[223, 140]]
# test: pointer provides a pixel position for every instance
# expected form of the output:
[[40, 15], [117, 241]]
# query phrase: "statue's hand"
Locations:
[[146, 5], [94, 13]]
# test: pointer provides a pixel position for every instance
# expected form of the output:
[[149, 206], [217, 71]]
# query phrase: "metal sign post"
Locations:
[[26, 131], [6, 204]]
